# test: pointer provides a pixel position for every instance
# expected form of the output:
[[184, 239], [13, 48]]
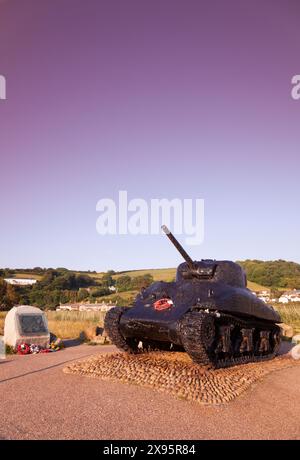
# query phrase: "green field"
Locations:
[[159, 274]]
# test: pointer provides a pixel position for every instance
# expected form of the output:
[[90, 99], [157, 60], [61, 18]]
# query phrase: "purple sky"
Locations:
[[163, 98]]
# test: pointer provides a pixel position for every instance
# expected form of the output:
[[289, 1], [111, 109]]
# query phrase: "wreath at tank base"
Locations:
[[27, 349], [34, 349], [23, 349]]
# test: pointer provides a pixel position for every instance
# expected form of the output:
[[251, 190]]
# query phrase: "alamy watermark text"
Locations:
[[140, 217], [2, 87], [296, 87]]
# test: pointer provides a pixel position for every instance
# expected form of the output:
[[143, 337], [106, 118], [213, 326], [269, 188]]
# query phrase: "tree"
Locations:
[[142, 281], [2, 294], [107, 280], [100, 292], [275, 273], [123, 283], [82, 295], [8, 296]]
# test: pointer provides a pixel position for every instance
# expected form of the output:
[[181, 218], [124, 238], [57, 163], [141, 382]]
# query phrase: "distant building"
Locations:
[[71, 307], [264, 295], [290, 296], [86, 307], [283, 299], [20, 281], [95, 307]]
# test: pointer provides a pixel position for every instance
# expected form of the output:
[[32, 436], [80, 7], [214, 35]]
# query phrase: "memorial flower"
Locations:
[[23, 349]]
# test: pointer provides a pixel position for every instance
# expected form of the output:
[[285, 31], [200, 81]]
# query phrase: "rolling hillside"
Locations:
[[159, 274], [168, 274]]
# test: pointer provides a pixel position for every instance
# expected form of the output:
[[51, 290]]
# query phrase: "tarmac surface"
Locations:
[[39, 401]]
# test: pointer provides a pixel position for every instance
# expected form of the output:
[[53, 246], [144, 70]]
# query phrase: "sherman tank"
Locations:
[[208, 311]]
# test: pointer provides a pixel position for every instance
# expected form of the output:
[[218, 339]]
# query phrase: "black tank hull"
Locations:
[[142, 320]]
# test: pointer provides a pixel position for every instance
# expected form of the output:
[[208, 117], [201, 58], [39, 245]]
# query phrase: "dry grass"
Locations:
[[290, 314], [67, 324], [255, 286]]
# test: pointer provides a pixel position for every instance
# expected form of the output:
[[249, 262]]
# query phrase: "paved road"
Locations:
[[39, 401]]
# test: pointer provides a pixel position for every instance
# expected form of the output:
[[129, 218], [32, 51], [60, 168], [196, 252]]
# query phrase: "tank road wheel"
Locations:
[[111, 325], [197, 336], [227, 340], [251, 341]]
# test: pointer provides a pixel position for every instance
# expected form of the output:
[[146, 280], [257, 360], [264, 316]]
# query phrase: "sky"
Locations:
[[161, 98]]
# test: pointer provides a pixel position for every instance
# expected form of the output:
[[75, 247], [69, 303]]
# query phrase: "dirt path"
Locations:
[[39, 401]]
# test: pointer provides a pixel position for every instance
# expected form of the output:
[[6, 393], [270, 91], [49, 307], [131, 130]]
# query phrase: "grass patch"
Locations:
[[159, 274], [255, 287], [26, 276]]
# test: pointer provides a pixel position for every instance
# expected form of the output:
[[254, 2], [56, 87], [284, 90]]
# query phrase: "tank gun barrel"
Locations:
[[178, 247]]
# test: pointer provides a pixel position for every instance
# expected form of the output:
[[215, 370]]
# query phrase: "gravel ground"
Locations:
[[175, 373], [39, 401]]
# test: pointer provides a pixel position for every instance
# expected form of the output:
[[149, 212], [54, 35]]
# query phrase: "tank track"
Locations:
[[216, 341], [111, 326]]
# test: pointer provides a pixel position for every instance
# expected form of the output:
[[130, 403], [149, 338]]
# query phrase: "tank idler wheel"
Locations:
[[111, 325]]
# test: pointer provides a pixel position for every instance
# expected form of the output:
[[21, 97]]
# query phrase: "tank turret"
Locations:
[[207, 269], [207, 311]]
